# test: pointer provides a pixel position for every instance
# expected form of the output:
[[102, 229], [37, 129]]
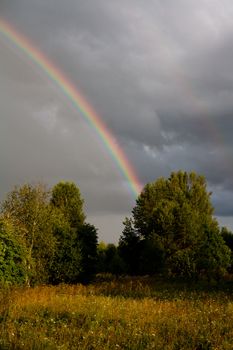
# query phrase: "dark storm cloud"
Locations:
[[222, 201], [159, 73]]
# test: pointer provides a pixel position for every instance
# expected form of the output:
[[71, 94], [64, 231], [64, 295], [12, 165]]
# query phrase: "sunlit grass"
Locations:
[[120, 314]]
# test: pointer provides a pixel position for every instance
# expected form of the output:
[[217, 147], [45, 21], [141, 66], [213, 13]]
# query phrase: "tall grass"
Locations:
[[117, 314]]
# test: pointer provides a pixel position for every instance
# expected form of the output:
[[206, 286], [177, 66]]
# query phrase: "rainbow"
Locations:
[[80, 103]]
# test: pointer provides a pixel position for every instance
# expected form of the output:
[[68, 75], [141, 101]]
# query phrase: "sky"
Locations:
[[159, 73]]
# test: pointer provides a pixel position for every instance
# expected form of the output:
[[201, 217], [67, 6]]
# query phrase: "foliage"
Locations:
[[172, 232], [75, 256], [101, 256], [66, 263], [152, 255], [59, 246], [12, 255], [109, 260], [28, 209], [213, 255], [88, 245], [66, 196], [173, 206], [130, 247], [182, 263], [170, 223], [227, 236]]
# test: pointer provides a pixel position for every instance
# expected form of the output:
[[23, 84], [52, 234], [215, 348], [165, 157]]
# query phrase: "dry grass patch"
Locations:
[[115, 315]]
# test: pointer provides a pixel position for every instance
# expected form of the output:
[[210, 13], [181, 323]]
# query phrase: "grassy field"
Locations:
[[127, 313]]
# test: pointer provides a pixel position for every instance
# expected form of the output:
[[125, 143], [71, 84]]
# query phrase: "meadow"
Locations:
[[124, 313]]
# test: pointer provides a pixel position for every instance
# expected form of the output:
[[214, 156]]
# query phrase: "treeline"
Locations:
[[45, 238]]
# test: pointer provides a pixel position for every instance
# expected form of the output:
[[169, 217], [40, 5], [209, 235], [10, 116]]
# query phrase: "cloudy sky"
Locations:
[[158, 72]]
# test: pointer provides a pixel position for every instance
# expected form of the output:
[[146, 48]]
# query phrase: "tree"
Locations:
[[101, 257], [87, 237], [213, 256], [227, 236], [75, 256], [171, 219], [66, 196], [109, 259], [152, 255], [28, 209], [130, 247], [114, 263], [171, 203], [12, 255], [66, 263]]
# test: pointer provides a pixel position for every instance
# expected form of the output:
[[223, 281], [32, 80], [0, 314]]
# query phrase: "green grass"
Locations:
[[129, 313]]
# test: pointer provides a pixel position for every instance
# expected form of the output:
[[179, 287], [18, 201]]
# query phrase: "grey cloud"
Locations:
[[158, 73], [222, 201]]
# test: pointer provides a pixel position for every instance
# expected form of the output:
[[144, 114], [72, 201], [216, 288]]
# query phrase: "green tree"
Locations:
[[66, 196], [152, 255], [75, 256], [171, 203], [66, 263], [213, 256], [101, 257], [28, 209], [109, 260], [88, 240], [227, 236], [171, 218], [12, 255], [130, 247]]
